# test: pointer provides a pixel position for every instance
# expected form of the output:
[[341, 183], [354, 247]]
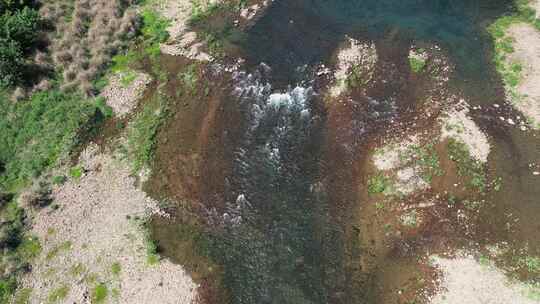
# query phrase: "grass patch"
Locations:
[[58, 294], [18, 249], [59, 179], [378, 184], [77, 269], [410, 219], [127, 78], [143, 130], [531, 263], [417, 62], [468, 168], [65, 246], [76, 172], [154, 31], [426, 158], [37, 132], [116, 268], [22, 296], [99, 293], [29, 248], [510, 71]]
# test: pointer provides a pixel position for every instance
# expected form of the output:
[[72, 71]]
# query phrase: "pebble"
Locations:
[[536, 172]]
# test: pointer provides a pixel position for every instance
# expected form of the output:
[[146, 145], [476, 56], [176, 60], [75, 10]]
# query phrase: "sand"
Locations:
[[456, 123], [123, 98], [527, 52], [464, 280], [95, 227]]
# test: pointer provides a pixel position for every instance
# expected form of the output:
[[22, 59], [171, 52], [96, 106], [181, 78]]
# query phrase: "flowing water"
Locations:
[[271, 172]]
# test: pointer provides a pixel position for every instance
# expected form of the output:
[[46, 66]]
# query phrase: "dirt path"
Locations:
[[527, 52], [96, 237]]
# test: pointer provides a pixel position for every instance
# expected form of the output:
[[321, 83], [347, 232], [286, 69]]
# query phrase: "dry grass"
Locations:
[[88, 33]]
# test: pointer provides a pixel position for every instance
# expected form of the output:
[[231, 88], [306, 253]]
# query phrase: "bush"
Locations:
[[17, 35], [20, 26], [11, 62]]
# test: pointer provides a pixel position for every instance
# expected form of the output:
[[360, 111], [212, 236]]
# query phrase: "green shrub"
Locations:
[[20, 26], [154, 31], [18, 32], [11, 62]]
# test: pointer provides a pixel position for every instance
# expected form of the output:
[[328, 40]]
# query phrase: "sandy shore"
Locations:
[[527, 53], [98, 225], [465, 280], [123, 97]]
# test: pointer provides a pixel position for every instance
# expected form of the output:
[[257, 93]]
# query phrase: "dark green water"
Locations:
[[306, 32]]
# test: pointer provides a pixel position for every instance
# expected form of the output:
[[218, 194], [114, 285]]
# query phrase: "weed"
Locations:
[[417, 64], [116, 268], [143, 130], [77, 269], [23, 296], [426, 158], [105, 109], [531, 263], [29, 248], [58, 294], [410, 219], [466, 165], [380, 206], [377, 184], [59, 179], [37, 132], [154, 31], [190, 78], [483, 260], [99, 293], [76, 172], [65, 246], [127, 78]]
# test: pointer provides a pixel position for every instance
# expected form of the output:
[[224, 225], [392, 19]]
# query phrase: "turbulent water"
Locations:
[[283, 231]]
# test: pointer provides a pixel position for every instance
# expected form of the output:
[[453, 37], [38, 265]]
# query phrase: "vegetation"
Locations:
[[18, 33], [154, 31], [17, 249], [378, 184], [417, 61], [467, 166], [36, 133], [510, 71], [64, 246], [426, 158], [58, 294], [143, 130], [99, 293], [85, 41], [116, 268]]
